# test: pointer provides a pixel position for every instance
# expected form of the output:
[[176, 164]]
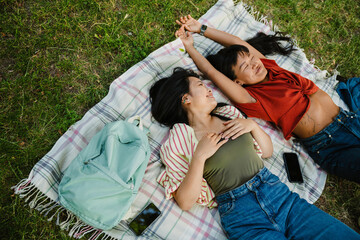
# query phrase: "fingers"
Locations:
[[227, 122], [231, 132], [184, 19], [237, 135], [187, 27], [230, 123], [180, 32], [210, 135], [218, 137], [214, 137], [222, 142]]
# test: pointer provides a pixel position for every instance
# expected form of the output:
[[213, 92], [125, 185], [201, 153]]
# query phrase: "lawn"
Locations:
[[58, 58]]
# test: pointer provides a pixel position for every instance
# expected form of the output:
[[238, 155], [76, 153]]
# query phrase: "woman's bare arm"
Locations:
[[235, 92], [190, 188], [224, 38], [264, 141]]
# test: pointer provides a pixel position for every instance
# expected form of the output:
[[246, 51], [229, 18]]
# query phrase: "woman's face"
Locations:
[[249, 70], [199, 95]]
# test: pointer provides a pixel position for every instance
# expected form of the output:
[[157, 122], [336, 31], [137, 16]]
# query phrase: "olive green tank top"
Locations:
[[232, 165]]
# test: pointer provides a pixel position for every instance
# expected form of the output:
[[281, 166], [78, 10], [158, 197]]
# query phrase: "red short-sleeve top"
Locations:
[[282, 100]]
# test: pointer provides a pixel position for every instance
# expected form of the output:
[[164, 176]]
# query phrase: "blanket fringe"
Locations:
[[258, 16], [49, 208]]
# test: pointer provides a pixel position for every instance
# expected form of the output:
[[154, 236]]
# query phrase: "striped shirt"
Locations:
[[176, 153]]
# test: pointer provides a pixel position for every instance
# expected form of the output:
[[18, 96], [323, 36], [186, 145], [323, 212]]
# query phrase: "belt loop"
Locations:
[[232, 196]]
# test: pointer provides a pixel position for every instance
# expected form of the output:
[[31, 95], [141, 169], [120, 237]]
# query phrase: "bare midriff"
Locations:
[[320, 114]]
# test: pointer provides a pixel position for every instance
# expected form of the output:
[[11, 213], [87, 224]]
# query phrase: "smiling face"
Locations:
[[249, 69], [199, 97]]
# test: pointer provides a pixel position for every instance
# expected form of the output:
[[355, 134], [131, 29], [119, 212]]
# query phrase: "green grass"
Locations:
[[58, 58]]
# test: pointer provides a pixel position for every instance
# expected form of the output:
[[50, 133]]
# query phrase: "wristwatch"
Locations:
[[203, 29]]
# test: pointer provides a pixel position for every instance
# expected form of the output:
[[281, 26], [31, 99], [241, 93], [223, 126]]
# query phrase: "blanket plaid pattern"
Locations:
[[128, 96]]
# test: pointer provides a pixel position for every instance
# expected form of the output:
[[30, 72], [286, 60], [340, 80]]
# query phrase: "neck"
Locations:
[[199, 120]]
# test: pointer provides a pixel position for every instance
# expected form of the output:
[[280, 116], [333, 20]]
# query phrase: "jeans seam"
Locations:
[[272, 220]]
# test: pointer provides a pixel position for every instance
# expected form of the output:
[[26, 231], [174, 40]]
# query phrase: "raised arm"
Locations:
[[232, 90], [224, 38]]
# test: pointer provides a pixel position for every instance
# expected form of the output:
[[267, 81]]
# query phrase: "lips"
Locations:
[[257, 70]]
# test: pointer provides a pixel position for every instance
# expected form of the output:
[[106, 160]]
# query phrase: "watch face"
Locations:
[[203, 29]]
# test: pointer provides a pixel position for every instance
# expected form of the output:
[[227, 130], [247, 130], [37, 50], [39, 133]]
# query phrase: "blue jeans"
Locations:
[[337, 147], [265, 208]]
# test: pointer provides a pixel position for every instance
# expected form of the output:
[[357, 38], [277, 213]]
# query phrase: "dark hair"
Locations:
[[226, 58], [269, 44], [166, 95]]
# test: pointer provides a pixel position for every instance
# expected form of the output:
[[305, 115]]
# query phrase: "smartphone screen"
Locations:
[[144, 219], [293, 167]]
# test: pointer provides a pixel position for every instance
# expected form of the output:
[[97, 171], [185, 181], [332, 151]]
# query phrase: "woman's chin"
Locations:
[[214, 103]]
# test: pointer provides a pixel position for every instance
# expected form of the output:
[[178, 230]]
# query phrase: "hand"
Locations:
[[208, 145], [185, 37], [237, 127], [190, 24]]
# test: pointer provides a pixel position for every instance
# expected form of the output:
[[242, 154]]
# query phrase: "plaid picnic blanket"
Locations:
[[128, 96]]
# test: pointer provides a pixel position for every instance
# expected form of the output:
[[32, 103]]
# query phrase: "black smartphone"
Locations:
[[144, 219], [292, 167]]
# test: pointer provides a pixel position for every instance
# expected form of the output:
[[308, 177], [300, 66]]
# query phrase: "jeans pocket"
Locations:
[[271, 180], [321, 144], [226, 208]]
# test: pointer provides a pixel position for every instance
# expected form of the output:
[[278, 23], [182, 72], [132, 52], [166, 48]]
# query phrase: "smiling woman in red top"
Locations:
[[262, 89]]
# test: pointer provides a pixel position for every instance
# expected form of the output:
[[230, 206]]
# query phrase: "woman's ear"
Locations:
[[185, 99], [238, 82]]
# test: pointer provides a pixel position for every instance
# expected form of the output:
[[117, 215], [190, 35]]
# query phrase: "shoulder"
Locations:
[[181, 137], [180, 129], [229, 111]]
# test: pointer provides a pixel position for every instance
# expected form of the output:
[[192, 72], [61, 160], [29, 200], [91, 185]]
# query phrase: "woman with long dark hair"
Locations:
[[213, 158], [262, 89]]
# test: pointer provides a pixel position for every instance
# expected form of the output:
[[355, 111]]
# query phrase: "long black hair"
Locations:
[[226, 58], [166, 96]]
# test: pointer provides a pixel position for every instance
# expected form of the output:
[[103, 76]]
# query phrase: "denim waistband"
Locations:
[[244, 188], [338, 122]]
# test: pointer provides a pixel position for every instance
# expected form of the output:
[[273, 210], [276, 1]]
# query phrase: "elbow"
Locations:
[[268, 153], [185, 206]]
